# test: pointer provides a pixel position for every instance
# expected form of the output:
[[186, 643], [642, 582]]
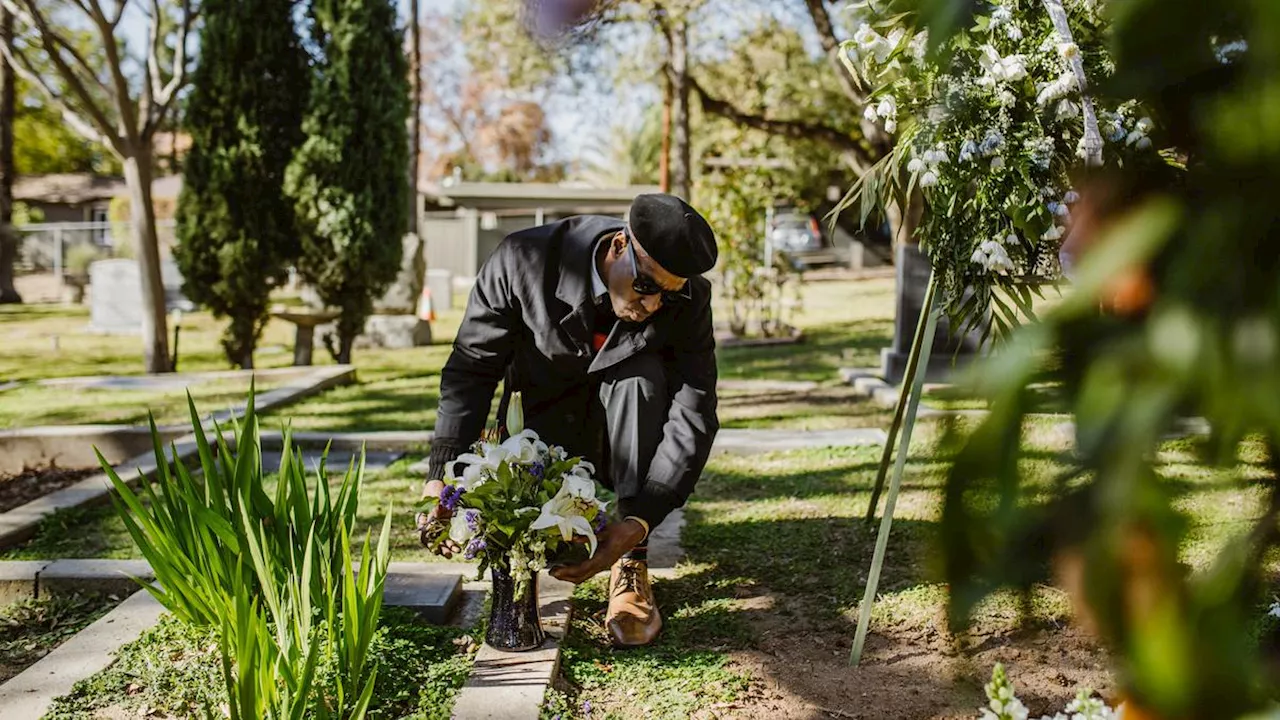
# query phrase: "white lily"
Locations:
[[515, 414], [565, 512], [522, 448], [929, 179]]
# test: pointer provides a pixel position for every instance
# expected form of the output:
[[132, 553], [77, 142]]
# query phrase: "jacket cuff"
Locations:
[[653, 505], [442, 453]]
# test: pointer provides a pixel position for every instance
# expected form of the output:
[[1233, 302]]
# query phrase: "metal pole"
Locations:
[[768, 241], [886, 522], [57, 255], [908, 378]]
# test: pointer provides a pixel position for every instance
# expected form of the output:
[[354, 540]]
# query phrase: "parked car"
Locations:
[[805, 242]]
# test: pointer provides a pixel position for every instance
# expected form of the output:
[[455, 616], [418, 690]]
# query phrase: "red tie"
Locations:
[[597, 340]]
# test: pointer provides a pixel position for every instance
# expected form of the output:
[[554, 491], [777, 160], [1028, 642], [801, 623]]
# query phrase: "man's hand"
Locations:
[[614, 541], [432, 524]]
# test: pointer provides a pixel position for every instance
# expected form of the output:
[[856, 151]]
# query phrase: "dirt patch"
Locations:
[[802, 673], [32, 483], [31, 629]]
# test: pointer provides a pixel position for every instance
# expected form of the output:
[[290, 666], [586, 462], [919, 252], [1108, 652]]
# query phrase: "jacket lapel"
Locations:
[[623, 342], [573, 287]]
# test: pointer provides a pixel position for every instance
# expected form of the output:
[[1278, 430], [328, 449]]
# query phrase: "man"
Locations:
[[605, 328]]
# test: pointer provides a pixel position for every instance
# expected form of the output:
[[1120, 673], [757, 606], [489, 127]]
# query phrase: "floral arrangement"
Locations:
[[1004, 705], [521, 503], [989, 129]]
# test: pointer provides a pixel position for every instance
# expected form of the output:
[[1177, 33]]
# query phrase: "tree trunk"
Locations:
[[155, 338], [681, 174], [664, 160], [902, 225], [8, 236], [415, 105]]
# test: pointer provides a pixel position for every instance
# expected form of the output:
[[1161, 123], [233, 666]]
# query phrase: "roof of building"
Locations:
[[497, 195], [80, 188]]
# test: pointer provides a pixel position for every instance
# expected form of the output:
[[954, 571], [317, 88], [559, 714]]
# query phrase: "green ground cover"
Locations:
[[174, 670], [777, 561]]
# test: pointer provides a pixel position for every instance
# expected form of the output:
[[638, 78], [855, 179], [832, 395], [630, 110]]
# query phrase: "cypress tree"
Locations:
[[349, 177], [237, 231]]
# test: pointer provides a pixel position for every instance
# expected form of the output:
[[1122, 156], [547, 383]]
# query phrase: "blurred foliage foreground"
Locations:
[[1176, 313]]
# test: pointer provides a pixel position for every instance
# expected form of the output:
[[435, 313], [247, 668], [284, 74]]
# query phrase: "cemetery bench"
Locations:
[[304, 338]]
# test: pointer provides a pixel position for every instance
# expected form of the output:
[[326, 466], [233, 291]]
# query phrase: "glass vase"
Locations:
[[514, 624]]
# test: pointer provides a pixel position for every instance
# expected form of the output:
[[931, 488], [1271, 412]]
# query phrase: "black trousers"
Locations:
[[630, 404]]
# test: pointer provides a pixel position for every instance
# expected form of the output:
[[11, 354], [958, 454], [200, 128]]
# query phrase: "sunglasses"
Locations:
[[645, 285]]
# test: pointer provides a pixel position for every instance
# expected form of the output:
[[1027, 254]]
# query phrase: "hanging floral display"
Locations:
[[990, 128]]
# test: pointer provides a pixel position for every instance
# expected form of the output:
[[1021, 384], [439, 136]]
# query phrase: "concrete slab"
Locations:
[[745, 441], [381, 440], [766, 386], [29, 695], [432, 595], [512, 686], [92, 576], [18, 580], [338, 460]]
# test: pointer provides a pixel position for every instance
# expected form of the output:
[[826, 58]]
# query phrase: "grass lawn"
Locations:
[[761, 616], [32, 405], [175, 671]]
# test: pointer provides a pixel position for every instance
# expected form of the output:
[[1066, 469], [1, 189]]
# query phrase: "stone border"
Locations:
[[21, 523], [513, 685], [28, 695]]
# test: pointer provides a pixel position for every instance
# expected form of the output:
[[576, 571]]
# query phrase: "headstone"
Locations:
[[117, 296], [948, 352], [116, 301], [440, 283], [394, 331], [402, 296]]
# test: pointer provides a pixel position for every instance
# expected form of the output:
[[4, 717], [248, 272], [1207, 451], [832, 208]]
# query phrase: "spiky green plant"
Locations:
[[273, 572]]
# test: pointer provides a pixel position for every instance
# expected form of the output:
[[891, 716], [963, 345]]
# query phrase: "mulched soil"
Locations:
[[20, 489]]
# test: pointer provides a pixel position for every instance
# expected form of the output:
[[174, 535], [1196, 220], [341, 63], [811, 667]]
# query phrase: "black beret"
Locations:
[[673, 234]]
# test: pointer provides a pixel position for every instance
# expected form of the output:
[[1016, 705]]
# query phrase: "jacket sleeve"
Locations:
[[691, 424], [481, 353]]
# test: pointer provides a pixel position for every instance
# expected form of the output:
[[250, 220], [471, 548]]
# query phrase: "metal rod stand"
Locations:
[[921, 347]]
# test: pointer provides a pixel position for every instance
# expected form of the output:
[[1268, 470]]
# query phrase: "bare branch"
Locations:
[[89, 130], [73, 80], [797, 129], [124, 100], [831, 45], [151, 86], [163, 96]]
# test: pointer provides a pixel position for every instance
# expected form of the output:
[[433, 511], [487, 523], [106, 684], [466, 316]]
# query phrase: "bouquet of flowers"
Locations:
[[520, 503]]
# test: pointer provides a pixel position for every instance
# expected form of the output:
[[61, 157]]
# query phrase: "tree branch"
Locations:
[[74, 82], [831, 45], [797, 129], [124, 101], [163, 96], [86, 129]]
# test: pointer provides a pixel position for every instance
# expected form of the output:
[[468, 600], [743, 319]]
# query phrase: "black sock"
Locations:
[[639, 552]]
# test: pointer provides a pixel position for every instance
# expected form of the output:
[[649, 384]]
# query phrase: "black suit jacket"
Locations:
[[529, 319]]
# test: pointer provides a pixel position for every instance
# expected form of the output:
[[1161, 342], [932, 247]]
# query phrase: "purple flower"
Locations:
[[474, 548], [450, 496], [601, 519], [586, 707], [473, 519], [537, 470]]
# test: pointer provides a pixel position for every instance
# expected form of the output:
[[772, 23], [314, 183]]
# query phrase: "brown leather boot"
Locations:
[[633, 617]]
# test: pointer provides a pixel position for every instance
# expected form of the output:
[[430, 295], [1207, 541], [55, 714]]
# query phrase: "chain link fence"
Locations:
[[53, 259]]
